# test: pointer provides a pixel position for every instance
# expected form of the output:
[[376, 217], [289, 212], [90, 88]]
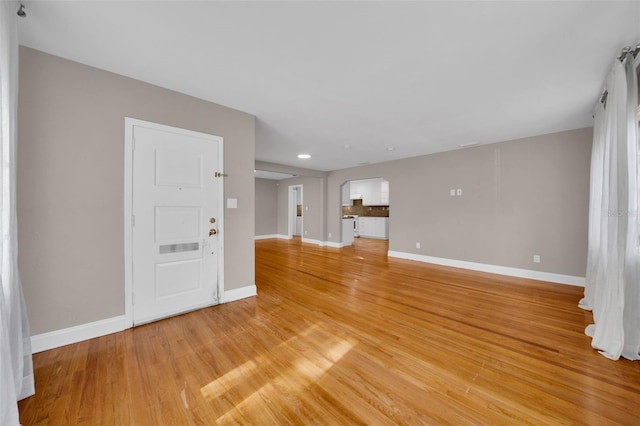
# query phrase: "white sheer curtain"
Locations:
[[612, 288], [16, 368]]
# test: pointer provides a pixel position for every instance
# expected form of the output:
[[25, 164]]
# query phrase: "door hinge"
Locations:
[[219, 175], [133, 220]]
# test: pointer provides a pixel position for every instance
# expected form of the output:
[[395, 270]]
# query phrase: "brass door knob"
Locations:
[[212, 232]]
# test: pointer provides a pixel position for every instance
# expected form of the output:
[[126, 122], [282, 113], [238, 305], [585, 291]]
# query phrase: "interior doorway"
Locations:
[[365, 210], [295, 211]]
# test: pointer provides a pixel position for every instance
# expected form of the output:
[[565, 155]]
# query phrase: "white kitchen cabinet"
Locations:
[[347, 231], [384, 193], [355, 189], [362, 226], [346, 194], [374, 227], [373, 192], [380, 227]]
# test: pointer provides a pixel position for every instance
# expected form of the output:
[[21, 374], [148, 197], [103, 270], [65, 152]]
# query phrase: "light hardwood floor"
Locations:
[[342, 336]]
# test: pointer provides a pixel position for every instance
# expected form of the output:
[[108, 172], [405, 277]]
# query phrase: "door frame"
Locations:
[[291, 217], [129, 146]]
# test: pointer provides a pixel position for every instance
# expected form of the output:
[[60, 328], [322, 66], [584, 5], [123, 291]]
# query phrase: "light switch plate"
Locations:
[[232, 203], [452, 192]]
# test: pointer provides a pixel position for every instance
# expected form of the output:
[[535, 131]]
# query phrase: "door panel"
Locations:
[[177, 223], [174, 168], [175, 193], [175, 278]]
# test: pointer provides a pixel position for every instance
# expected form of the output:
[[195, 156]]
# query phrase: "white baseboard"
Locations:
[[267, 237], [66, 336], [304, 240], [239, 293], [323, 243], [312, 241], [55, 339], [332, 244], [494, 269]]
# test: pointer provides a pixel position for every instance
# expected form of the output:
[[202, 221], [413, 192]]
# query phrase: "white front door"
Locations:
[[175, 220]]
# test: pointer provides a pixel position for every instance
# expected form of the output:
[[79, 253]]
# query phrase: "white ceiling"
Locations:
[[414, 77]]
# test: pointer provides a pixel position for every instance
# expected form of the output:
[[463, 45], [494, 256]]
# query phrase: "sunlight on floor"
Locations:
[[309, 355], [220, 386]]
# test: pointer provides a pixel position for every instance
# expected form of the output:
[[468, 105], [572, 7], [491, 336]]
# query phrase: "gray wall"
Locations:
[[313, 206], [314, 184], [520, 198], [266, 207], [71, 178]]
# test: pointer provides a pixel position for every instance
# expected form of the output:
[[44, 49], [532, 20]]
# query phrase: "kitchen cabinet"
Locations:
[[347, 231], [362, 226], [346, 194], [371, 193], [384, 193], [374, 192], [374, 227], [355, 190], [365, 190]]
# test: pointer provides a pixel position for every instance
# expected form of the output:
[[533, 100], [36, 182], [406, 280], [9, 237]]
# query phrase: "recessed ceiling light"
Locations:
[[390, 148], [347, 146], [304, 156]]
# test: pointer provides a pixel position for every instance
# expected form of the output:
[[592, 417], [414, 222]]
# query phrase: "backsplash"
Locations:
[[360, 210]]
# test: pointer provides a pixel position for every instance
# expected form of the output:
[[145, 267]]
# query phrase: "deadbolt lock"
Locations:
[[212, 220]]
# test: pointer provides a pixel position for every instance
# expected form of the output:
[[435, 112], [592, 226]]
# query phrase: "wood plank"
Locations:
[[348, 336]]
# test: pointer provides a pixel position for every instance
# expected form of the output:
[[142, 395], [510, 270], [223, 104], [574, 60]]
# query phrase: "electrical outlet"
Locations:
[[417, 245], [536, 258], [329, 234], [305, 232]]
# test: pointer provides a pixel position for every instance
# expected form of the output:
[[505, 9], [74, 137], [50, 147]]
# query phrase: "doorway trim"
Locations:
[[291, 218], [129, 146]]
